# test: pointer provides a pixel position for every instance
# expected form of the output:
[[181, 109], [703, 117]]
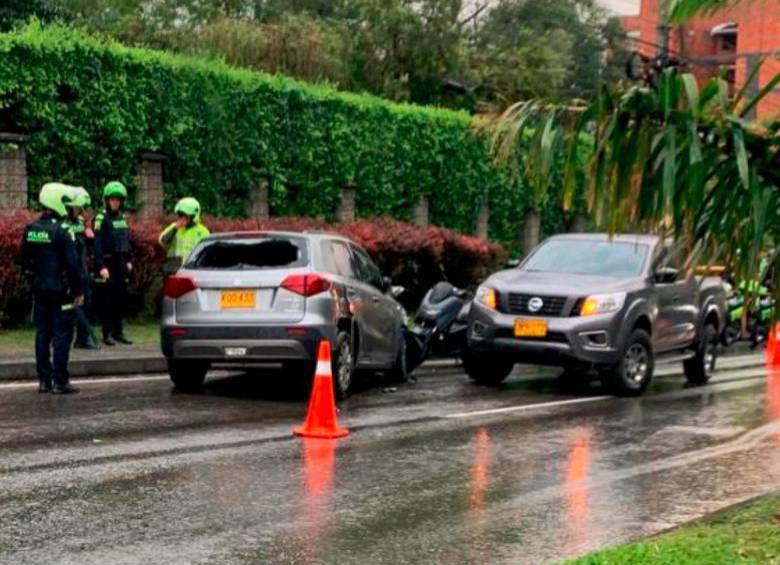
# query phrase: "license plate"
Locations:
[[530, 328], [237, 299], [235, 351]]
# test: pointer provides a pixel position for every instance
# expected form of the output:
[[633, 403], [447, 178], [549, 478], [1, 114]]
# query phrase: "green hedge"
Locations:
[[90, 106]]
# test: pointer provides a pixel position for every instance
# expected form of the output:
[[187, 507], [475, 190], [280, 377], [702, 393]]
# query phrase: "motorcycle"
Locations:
[[439, 328], [759, 315]]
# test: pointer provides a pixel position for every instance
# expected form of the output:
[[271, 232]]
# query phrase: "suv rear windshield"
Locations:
[[250, 253], [618, 259]]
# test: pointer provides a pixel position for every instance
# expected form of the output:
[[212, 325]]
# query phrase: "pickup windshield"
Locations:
[[586, 257], [255, 253]]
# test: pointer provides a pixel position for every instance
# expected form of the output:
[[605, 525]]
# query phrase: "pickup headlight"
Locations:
[[602, 303], [486, 296]]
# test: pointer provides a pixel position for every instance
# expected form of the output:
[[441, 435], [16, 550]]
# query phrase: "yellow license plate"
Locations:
[[530, 328], [237, 299]]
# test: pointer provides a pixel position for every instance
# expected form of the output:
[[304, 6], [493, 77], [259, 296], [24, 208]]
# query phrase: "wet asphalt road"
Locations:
[[438, 471]]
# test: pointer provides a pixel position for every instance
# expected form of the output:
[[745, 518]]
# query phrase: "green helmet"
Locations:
[[189, 207], [55, 196], [115, 189], [81, 199]]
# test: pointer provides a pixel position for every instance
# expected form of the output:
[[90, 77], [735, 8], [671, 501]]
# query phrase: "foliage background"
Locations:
[[413, 257], [89, 106]]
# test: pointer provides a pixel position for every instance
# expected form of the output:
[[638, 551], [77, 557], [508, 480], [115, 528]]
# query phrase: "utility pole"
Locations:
[[663, 34]]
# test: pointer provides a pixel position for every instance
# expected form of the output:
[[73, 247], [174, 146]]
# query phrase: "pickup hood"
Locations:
[[559, 284]]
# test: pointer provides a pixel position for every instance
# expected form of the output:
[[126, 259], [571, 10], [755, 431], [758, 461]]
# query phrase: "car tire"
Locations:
[[187, 376], [699, 368], [399, 372], [486, 368], [633, 373], [343, 365]]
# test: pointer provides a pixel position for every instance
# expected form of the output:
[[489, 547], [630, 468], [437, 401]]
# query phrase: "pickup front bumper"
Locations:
[[579, 341]]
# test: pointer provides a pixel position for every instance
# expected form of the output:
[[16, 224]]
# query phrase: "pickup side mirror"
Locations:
[[666, 275], [512, 263]]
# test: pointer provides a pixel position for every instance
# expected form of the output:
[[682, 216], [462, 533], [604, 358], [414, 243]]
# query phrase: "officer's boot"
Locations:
[[108, 340], [44, 385], [122, 338], [64, 389]]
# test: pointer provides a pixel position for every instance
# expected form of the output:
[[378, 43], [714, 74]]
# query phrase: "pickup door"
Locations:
[[678, 307]]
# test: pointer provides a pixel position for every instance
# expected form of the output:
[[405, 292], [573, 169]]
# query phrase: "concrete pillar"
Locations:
[[483, 222], [13, 172], [346, 211], [578, 224], [259, 207], [149, 199], [420, 213], [532, 225]]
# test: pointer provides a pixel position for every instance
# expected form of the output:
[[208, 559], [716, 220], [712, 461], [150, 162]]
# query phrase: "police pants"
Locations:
[[53, 334], [115, 300]]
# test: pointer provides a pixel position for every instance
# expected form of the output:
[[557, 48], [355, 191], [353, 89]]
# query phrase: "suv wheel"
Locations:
[[631, 375], [699, 368], [343, 365], [486, 368], [187, 375], [399, 372]]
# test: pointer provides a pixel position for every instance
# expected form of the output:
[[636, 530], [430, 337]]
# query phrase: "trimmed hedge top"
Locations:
[[89, 106]]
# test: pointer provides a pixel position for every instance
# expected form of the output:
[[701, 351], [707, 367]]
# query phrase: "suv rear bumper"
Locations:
[[244, 344], [588, 340]]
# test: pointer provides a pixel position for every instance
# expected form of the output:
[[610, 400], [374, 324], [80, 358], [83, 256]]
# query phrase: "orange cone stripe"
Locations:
[[321, 414]]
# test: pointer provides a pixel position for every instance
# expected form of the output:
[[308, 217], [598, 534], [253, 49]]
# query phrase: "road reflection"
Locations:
[[480, 471], [576, 487], [319, 457]]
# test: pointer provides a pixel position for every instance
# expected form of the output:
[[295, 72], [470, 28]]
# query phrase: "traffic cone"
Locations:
[[773, 347], [321, 416]]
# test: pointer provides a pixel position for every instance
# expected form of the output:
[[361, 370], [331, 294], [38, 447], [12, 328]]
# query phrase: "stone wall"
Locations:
[[13, 172], [149, 198]]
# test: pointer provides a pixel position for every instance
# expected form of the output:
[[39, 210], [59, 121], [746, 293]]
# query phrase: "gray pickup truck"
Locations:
[[588, 302]]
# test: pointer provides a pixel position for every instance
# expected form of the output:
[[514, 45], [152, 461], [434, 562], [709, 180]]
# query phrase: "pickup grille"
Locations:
[[551, 305]]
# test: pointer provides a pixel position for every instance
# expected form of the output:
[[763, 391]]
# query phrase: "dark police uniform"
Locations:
[[49, 255], [78, 227], [112, 251]]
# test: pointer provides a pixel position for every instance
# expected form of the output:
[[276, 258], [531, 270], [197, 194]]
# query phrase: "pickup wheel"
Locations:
[[486, 368], [631, 375], [187, 376], [699, 368]]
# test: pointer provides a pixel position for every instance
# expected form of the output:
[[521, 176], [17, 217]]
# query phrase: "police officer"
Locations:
[[82, 235], [112, 261], [181, 237], [49, 255]]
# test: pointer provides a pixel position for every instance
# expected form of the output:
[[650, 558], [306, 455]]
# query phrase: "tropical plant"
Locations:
[[679, 160], [682, 10], [531, 143]]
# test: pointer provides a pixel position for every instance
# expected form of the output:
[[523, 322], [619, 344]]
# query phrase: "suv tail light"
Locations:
[[306, 285], [176, 286]]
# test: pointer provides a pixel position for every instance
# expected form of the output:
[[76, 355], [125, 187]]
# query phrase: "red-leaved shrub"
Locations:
[[413, 257]]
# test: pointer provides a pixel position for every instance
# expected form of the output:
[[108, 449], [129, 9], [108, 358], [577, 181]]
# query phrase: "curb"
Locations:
[[143, 364]]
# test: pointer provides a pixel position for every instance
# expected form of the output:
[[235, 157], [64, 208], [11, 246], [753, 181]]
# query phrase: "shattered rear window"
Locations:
[[255, 253]]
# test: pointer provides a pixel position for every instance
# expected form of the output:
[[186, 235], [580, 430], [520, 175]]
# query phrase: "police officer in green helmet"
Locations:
[[82, 236], [49, 257], [181, 237], [113, 261]]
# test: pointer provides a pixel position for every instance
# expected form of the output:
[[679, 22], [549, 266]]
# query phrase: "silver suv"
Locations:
[[243, 300]]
